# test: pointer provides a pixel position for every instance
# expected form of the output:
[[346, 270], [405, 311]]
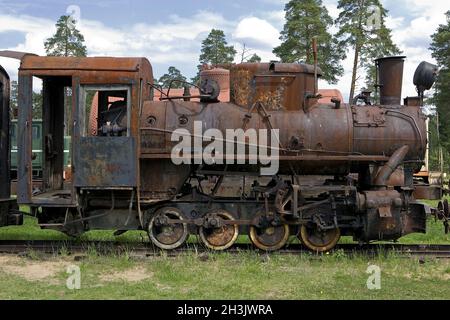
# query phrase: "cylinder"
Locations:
[[222, 77], [390, 79]]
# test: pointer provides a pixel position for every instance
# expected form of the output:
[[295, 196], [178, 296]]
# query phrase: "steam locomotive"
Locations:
[[138, 163]]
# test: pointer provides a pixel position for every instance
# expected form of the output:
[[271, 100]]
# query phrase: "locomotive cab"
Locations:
[[104, 149]]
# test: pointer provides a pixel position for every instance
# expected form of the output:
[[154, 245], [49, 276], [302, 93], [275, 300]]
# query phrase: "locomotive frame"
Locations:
[[123, 177]]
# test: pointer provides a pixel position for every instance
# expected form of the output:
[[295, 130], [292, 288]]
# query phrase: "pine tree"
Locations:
[[306, 19], [36, 101], [173, 74], [440, 48], [37, 105], [214, 51], [67, 41], [254, 59], [362, 27]]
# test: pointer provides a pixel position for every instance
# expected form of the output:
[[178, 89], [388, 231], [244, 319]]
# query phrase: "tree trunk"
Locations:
[[355, 69], [358, 45]]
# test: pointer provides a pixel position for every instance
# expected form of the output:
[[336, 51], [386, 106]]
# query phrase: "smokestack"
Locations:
[[390, 79]]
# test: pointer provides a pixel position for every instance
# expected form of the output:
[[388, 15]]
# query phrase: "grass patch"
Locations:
[[241, 276], [31, 231], [248, 275]]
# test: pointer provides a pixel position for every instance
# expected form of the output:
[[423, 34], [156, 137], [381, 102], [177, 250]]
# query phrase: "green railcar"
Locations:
[[37, 149]]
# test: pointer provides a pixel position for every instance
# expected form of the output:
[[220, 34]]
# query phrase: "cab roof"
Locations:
[[32, 62]]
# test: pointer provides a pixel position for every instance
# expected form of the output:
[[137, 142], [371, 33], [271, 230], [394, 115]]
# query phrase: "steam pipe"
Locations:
[[394, 161]]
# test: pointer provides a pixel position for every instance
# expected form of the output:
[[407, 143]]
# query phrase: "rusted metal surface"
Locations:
[[329, 94], [106, 162], [161, 179], [222, 78], [379, 130], [394, 161], [79, 73], [383, 214], [428, 192], [124, 176], [216, 234], [278, 86], [390, 78], [69, 65], [328, 140], [412, 101]]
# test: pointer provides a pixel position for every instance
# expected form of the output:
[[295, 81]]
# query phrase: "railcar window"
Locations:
[[105, 111], [36, 132], [13, 131]]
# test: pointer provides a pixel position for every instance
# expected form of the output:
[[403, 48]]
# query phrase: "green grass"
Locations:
[[242, 276], [247, 275], [31, 231], [435, 231]]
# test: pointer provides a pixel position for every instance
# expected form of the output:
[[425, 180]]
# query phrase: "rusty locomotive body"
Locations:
[[124, 176]]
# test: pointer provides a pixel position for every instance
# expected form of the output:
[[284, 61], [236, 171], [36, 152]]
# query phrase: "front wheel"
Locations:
[[319, 240]]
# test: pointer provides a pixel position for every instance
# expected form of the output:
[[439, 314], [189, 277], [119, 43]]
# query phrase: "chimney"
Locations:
[[390, 79]]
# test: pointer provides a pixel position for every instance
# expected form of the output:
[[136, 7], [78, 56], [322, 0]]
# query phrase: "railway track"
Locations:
[[147, 249]]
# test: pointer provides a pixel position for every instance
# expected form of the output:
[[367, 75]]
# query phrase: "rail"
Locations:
[[148, 250]]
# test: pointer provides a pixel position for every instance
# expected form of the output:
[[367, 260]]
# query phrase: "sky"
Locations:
[[170, 32]]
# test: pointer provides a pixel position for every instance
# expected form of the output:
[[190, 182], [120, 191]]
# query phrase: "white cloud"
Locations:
[[36, 30], [411, 32], [394, 23], [177, 41], [414, 36], [257, 31], [331, 6], [277, 18], [424, 7]]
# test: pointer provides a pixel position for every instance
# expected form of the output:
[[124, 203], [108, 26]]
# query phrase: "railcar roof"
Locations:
[[32, 62]]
